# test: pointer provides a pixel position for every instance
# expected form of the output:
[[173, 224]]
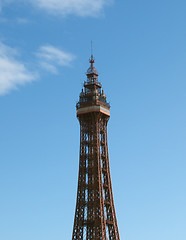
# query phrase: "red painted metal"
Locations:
[[95, 216]]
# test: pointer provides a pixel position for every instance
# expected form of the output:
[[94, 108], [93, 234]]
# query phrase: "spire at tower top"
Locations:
[[91, 58], [92, 69], [91, 49]]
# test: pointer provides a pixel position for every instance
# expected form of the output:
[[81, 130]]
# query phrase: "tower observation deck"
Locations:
[[95, 217]]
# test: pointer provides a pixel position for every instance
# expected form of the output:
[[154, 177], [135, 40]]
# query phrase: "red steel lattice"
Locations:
[[95, 216]]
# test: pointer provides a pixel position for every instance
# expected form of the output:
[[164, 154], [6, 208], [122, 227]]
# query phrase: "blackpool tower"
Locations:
[[95, 216]]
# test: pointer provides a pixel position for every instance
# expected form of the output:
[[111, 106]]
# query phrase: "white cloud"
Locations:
[[50, 57], [66, 7], [77, 7], [13, 73]]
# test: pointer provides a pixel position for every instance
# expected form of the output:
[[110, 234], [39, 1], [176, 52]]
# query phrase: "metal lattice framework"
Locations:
[[95, 216]]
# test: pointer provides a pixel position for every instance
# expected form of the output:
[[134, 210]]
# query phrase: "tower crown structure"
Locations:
[[95, 217], [92, 97]]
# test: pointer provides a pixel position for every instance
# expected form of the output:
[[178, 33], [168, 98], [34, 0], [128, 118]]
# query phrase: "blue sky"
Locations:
[[140, 53]]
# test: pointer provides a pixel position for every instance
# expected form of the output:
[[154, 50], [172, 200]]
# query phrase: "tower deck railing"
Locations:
[[90, 103]]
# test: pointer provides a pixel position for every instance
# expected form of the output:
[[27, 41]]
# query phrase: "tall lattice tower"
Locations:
[[95, 216]]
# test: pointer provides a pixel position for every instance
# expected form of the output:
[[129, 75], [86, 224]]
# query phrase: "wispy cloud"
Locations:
[[76, 7], [51, 57], [13, 73], [22, 21], [18, 20], [82, 8]]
